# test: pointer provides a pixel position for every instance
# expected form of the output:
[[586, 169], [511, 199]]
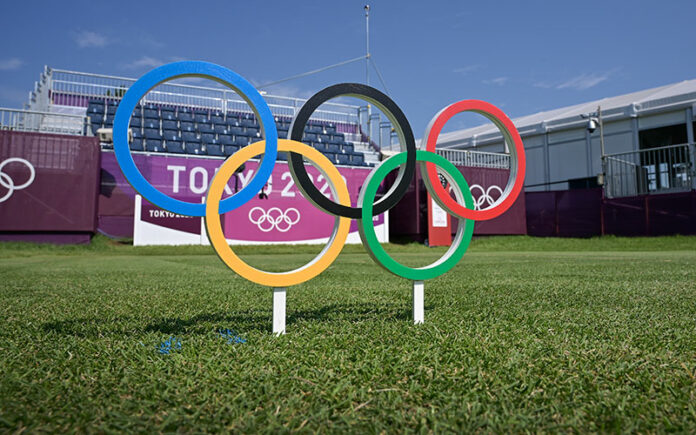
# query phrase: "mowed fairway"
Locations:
[[524, 334]]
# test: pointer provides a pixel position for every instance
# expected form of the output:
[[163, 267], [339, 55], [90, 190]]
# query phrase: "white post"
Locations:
[[418, 302], [279, 310]]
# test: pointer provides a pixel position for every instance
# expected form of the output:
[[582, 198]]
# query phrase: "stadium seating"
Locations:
[[182, 130]]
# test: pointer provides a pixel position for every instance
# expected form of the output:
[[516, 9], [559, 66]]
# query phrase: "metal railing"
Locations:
[[656, 170], [42, 122], [73, 88], [477, 159]]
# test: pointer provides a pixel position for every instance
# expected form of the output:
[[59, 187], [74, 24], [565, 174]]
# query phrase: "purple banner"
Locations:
[[279, 213], [48, 182]]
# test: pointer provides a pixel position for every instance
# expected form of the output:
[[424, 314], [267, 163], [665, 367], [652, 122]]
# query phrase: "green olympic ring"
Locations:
[[461, 240]]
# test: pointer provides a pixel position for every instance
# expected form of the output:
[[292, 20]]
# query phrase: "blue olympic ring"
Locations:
[[206, 70]]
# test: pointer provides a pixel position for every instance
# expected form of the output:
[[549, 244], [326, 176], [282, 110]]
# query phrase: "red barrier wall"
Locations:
[[57, 204], [583, 212]]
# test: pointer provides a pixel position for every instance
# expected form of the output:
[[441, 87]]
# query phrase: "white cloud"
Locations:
[[87, 39], [10, 64], [144, 62], [500, 81], [583, 81], [467, 69], [579, 83]]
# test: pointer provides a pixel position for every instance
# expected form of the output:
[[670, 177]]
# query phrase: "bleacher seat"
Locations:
[[168, 114], [205, 127], [213, 133], [237, 131], [343, 159], [200, 116], [208, 138], [248, 122], [96, 126], [228, 150], [136, 145], [169, 125], [214, 150], [193, 148], [221, 129], [184, 115], [226, 139], [152, 134], [190, 137], [357, 159], [241, 141], [96, 107], [153, 145], [175, 147]]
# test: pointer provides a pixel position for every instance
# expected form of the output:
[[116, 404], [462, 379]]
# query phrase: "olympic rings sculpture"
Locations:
[[461, 206]]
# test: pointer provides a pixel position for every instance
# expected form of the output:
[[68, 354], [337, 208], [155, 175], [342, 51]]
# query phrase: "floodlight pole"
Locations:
[[604, 168], [367, 45], [367, 69]]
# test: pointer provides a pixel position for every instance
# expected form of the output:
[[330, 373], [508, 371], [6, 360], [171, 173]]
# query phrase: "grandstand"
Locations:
[[186, 119]]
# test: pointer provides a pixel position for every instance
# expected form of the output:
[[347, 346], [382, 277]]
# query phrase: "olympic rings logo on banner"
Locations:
[[281, 222], [8, 183], [485, 199], [461, 206]]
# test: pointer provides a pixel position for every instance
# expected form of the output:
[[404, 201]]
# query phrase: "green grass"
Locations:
[[523, 335]]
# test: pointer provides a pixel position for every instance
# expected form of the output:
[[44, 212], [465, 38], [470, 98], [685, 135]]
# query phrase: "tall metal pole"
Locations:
[[604, 169], [367, 45], [601, 130], [367, 68]]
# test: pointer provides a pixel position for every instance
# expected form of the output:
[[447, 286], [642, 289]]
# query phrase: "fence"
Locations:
[[77, 88], [666, 169], [477, 159], [42, 122]]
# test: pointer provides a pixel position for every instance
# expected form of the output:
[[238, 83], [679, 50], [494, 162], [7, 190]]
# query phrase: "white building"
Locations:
[[641, 131]]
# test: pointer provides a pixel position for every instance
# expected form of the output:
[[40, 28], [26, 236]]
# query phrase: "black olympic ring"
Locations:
[[402, 127]]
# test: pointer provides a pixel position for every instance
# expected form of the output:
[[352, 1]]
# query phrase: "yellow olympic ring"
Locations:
[[281, 279]]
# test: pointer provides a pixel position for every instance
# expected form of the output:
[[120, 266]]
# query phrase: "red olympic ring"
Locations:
[[517, 167]]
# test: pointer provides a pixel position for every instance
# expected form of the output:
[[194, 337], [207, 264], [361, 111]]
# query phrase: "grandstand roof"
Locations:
[[613, 108]]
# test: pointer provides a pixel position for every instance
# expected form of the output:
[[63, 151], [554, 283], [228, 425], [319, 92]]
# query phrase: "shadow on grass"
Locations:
[[241, 321]]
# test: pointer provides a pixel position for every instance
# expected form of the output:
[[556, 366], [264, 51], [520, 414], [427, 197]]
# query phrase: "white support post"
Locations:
[[418, 302], [279, 310]]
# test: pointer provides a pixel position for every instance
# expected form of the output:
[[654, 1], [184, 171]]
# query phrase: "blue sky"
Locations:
[[525, 56]]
